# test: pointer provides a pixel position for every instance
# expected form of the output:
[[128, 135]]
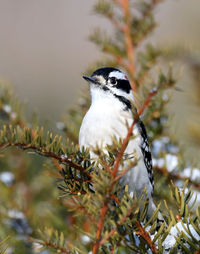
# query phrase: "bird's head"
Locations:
[[110, 81]]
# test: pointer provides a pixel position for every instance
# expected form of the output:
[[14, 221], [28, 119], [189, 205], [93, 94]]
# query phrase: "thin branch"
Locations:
[[104, 209], [128, 42], [172, 176], [116, 199], [123, 148], [105, 165], [113, 231], [57, 248], [121, 174], [80, 207], [41, 151], [100, 226], [146, 237], [126, 30], [126, 140], [57, 164], [116, 23], [148, 99]]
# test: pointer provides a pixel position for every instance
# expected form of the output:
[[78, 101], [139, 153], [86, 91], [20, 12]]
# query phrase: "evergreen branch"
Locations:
[[100, 226], [121, 174], [142, 232], [104, 209], [80, 207], [57, 248], [116, 24], [51, 238], [172, 176], [10, 107], [57, 164], [152, 93], [3, 247], [146, 61], [41, 151], [113, 231], [128, 43], [105, 165], [107, 44], [116, 199]]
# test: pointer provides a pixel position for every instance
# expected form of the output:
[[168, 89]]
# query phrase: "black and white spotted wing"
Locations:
[[146, 151]]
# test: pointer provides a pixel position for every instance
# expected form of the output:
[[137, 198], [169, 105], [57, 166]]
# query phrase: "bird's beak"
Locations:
[[91, 79]]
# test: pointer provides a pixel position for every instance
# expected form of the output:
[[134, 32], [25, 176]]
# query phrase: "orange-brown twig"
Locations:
[[126, 140], [57, 164], [56, 247], [146, 237], [100, 227], [120, 175], [121, 152], [116, 199], [104, 209], [148, 99], [128, 42], [114, 230], [197, 252], [126, 30], [106, 166]]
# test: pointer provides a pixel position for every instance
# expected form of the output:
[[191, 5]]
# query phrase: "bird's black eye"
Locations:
[[113, 80]]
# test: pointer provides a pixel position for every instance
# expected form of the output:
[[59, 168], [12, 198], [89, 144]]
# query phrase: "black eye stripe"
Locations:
[[124, 85]]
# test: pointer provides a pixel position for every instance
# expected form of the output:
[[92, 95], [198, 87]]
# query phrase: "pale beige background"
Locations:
[[44, 48]]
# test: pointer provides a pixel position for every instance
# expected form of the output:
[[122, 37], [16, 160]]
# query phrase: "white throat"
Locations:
[[98, 95]]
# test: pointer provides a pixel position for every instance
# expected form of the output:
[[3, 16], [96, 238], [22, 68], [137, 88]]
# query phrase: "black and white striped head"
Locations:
[[113, 82]]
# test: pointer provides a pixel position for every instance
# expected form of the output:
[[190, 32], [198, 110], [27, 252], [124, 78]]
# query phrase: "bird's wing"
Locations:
[[146, 151]]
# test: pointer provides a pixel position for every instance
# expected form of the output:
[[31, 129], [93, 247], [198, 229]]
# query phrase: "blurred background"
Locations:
[[44, 50]]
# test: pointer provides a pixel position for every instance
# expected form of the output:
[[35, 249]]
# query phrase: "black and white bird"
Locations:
[[111, 109]]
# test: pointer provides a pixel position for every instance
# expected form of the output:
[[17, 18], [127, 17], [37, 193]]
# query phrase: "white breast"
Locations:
[[105, 119]]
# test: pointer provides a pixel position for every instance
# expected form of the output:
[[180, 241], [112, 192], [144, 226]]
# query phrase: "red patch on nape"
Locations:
[[126, 77]]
